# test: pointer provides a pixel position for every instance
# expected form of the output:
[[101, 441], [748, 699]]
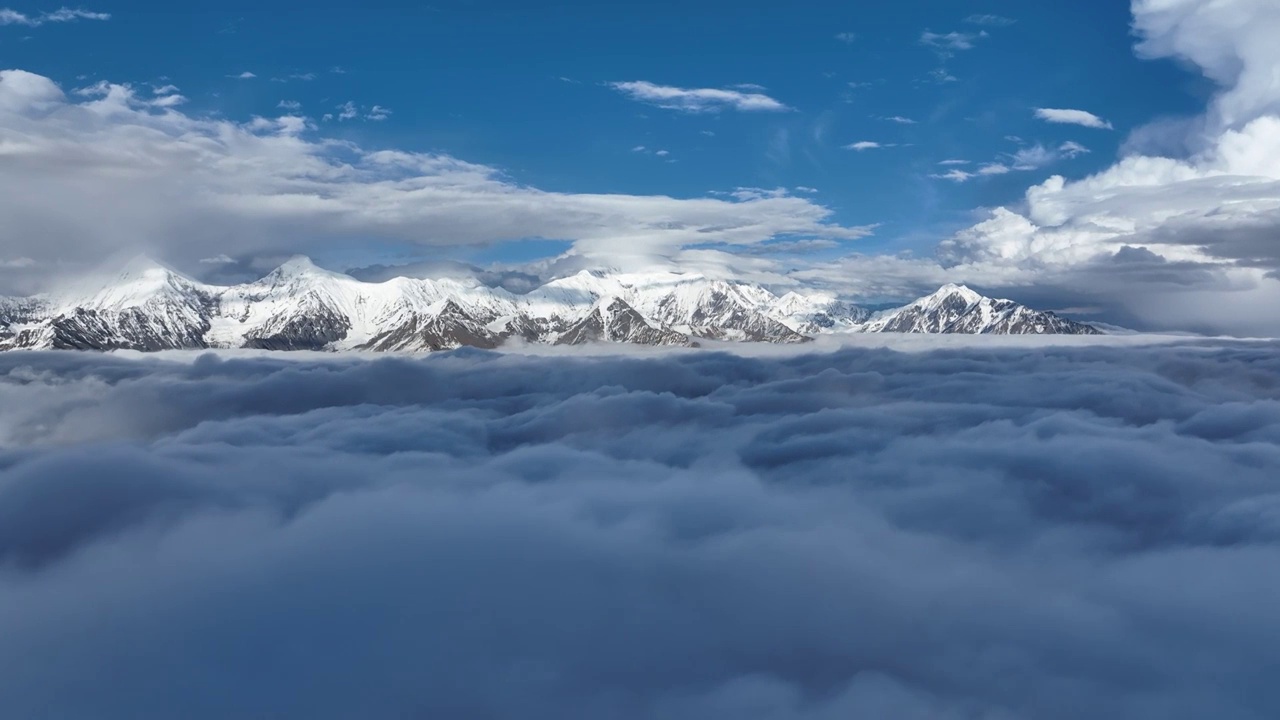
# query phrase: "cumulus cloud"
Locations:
[[946, 44], [91, 175], [61, 15], [1028, 532], [1211, 213], [867, 145], [1072, 117], [698, 100]]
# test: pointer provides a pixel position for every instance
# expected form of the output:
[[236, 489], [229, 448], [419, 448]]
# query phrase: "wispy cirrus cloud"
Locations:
[[699, 100], [990, 20], [862, 145], [61, 15], [1032, 157], [947, 44], [1065, 116]]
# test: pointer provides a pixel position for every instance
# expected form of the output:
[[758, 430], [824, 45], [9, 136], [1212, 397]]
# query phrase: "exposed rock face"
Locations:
[[300, 306], [616, 321], [956, 309], [451, 327]]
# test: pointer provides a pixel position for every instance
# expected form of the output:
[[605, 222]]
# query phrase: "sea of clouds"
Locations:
[[980, 532]]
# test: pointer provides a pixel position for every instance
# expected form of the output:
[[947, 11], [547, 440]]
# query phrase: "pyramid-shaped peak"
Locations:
[[141, 264], [297, 265], [300, 266], [962, 291]]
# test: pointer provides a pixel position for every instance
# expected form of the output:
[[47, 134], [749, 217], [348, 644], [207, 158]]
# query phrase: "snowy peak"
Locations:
[[139, 282], [301, 266], [613, 320], [300, 306], [952, 292], [957, 309]]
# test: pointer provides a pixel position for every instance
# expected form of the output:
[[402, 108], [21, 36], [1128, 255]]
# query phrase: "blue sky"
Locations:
[[525, 87], [1121, 160]]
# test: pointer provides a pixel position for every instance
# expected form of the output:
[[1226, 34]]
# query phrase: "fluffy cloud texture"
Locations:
[[1027, 532], [1213, 211], [1072, 117], [61, 15], [113, 168], [747, 98]]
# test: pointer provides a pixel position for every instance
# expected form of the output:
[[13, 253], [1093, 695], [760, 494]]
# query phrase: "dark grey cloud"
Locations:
[[1056, 532]]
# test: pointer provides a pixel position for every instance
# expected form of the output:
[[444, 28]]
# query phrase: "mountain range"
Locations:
[[300, 306]]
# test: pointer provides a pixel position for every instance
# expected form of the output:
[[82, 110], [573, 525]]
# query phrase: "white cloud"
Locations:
[[901, 120], [217, 260], [110, 171], [289, 105], [377, 113], [168, 100], [947, 44], [1072, 149], [698, 99], [847, 38], [638, 149], [246, 75], [62, 15], [1072, 117], [662, 153], [941, 76], [954, 175], [867, 145], [16, 263], [1033, 157], [1213, 213], [348, 111]]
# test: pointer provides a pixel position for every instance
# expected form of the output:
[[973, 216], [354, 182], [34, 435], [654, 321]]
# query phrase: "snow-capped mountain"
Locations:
[[299, 306], [958, 310], [613, 320]]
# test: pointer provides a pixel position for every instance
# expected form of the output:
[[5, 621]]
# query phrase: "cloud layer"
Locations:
[[1203, 222], [746, 99], [113, 167], [1030, 532], [61, 15], [1064, 116]]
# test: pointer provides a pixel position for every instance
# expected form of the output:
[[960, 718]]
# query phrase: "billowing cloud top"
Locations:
[[1022, 533], [112, 167], [1214, 213]]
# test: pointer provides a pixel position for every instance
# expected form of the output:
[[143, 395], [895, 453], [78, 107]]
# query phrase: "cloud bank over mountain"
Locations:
[[1206, 218], [1019, 532], [1178, 234]]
